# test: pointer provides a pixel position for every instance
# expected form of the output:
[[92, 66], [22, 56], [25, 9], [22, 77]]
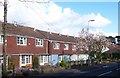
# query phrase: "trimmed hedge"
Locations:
[[35, 63]]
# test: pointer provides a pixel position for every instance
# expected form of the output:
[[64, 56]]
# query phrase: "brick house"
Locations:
[[25, 43]]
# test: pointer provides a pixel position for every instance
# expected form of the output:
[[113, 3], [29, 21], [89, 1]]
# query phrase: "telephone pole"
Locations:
[[4, 37]]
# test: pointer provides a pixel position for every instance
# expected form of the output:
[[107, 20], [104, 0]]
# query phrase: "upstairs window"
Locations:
[[56, 45], [66, 46], [39, 42], [21, 41]]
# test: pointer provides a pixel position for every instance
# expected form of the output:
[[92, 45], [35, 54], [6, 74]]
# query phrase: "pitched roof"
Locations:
[[114, 48], [12, 29]]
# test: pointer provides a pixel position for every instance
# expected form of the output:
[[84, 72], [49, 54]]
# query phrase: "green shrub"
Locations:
[[116, 55], [26, 66], [64, 64], [105, 55], [9, 72], [35, 63], [109, 59]]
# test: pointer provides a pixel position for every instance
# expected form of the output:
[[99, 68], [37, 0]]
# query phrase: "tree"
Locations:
[[92, 42], [105, 55]]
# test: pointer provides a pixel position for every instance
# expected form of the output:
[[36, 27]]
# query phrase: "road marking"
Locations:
[[105, 73], [105, 66], [118, 69]]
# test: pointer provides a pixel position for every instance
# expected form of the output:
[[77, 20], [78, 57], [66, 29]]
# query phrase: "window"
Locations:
[[74, 47], [25, 59], [39, 42], [60, 58], [21, 41], [66, 58], [56, 45], [43, 59], [66, 46], [1, 38], [28, 59]]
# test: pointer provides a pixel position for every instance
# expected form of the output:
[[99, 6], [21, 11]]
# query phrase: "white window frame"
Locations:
[[29, 57], [60, 58], [39, 42], [56, 45], [44, 59], [23, 59], [1, 38], [23, 40], [73, 47], [67, 47]]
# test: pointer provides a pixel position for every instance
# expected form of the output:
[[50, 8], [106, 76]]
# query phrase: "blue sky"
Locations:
[[66, 17], [108, 10]]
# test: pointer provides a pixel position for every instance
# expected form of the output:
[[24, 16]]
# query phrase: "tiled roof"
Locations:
[[31, 32], [114, 48]]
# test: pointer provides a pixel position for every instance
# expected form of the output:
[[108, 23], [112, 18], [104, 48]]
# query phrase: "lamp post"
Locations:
[[89, 41], [88, 24]]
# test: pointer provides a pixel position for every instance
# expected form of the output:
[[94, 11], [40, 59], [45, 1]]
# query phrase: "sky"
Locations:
[[65, 17]]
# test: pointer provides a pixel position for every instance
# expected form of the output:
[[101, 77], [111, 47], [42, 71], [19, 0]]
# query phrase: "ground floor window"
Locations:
[[66, 58], [1, 59], [25, 59], [43, 59], [60, 58]]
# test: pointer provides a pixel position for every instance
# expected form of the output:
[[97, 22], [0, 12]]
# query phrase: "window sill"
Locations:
[[66, 49], [56, 48], [39, 45], [22, 44]]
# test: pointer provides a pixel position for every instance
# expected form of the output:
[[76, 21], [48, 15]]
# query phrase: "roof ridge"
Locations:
[[32, 32]]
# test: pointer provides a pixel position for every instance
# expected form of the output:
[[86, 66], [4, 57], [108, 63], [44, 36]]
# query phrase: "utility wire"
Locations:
[[46, 6], [28, 6], [39, 15]]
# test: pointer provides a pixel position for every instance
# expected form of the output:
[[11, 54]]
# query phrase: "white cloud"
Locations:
[[97, 31], [113, 34], [49, 15]]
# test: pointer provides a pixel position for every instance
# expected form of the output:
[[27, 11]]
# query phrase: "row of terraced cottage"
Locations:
[[25, 43]]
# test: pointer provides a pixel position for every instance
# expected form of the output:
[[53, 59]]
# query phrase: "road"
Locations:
[[103, 70]]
